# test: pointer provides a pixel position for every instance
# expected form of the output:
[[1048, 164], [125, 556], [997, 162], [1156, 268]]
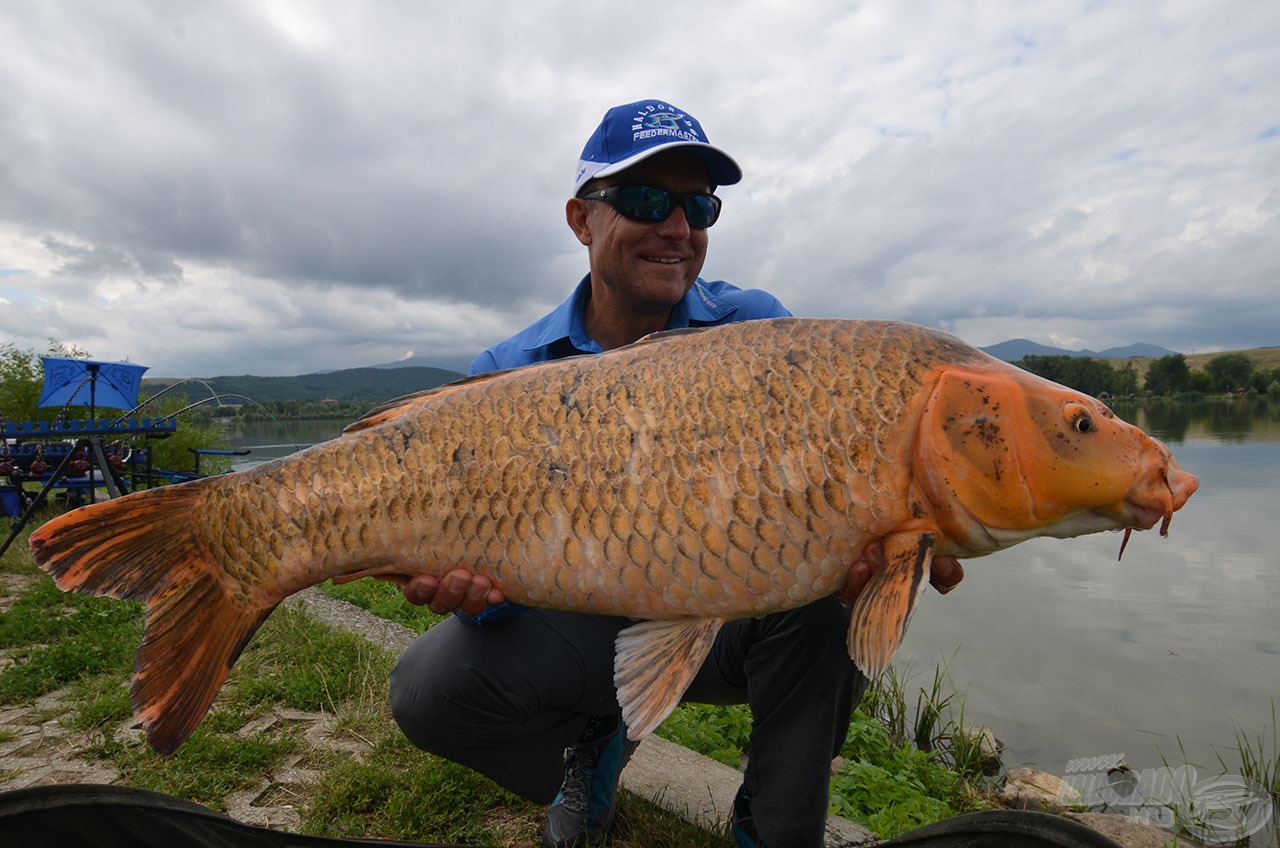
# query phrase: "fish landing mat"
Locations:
[[82, 815]]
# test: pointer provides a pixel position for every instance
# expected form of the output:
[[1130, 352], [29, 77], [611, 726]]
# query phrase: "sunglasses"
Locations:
[[649, 204]]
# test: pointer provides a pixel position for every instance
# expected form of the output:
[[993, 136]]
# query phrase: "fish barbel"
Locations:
[[694, 477]]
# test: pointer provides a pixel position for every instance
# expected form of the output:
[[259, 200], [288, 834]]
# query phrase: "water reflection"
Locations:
[[270, 440], [1235, 420]]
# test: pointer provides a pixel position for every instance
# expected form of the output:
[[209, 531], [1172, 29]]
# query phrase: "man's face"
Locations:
[[644, 267]]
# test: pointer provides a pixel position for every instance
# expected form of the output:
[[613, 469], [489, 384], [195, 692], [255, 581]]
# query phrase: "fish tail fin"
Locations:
[[883, 610], [142, 547]]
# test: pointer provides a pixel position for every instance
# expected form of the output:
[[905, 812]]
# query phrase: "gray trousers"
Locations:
[[507, 698]]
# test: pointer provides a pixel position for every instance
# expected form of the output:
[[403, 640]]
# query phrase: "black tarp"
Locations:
[[77, 815], [83, 815], [1003, 829]]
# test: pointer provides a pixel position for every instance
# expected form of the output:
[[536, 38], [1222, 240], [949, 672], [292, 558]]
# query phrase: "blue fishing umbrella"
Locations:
[[87, 382]]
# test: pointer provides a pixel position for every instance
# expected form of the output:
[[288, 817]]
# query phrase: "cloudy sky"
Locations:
[[284, 187]]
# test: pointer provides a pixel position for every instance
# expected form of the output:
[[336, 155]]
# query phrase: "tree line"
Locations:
[[1168, 375], [297, 409]]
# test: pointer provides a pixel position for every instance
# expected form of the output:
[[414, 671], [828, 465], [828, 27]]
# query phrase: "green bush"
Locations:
[[196, 430]]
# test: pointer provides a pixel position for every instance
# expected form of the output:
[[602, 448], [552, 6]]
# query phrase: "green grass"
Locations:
[[84, 647], [1230, 823], [210, 764], [57, 639], [395, 791], [1259, 758], [721, 733], [892, 789], [383, 599], [17, 560], [297, 662], [887, 784]]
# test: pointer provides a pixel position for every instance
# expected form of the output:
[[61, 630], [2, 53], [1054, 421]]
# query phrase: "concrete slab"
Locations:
[[700, 790]]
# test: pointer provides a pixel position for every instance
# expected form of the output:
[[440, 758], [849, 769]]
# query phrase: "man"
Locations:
[[526, 696]]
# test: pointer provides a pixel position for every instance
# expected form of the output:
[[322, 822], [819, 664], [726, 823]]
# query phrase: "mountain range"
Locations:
[[1015, 349], [1010, 351], [352, 385], [377, 383]]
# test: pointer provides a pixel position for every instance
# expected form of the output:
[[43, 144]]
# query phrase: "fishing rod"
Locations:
[[218, 398], [214, 396]]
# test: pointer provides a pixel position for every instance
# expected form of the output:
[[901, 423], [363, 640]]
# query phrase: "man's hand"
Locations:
[[944, 574], [458, 591]]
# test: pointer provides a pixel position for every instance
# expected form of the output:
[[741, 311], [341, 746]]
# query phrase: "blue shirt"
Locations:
[[563, 332]]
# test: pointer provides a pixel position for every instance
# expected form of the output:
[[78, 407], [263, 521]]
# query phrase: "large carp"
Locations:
[[691, 478]]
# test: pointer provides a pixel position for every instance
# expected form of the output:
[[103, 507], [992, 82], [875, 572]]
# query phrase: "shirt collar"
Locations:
[[702, 305], [699, 304]]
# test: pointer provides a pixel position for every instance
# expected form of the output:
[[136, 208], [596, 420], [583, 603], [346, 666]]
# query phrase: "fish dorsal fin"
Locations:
[[654, 663], [396, 407], [882, 611], [664, 335]]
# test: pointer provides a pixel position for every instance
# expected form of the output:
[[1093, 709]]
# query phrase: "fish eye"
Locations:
[[1083, 423]]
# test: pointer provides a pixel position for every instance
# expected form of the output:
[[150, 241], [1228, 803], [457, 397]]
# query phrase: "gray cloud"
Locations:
[[319, 186]]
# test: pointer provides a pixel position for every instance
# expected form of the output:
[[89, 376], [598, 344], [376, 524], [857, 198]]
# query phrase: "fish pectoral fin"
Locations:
[[654, 663], [881, 613]]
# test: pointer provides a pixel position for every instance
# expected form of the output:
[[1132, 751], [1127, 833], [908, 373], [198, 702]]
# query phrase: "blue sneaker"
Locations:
[[743, 825], [583, 813]]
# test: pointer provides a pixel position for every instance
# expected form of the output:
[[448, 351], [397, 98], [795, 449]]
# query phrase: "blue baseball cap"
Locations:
[[633, 132]]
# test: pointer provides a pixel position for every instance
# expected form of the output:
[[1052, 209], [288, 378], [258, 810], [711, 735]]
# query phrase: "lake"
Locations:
[[1067, 653]]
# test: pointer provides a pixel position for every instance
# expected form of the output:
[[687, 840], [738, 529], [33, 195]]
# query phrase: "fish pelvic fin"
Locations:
[[141, 547], [882, 611], [654, 663]]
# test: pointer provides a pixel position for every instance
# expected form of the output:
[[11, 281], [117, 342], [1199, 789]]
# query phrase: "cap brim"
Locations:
[[721, 168]]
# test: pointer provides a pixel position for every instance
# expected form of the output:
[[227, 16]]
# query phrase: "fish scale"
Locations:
[[449, 481], [691, 478]]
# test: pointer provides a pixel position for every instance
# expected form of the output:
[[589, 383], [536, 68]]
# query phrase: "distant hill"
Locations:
[[1015, 349], [1264, 359], [457, 363], [1149, 351], [362, 385]]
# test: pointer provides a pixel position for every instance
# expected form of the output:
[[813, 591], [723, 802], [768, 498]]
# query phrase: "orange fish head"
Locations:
[[1003, 456]]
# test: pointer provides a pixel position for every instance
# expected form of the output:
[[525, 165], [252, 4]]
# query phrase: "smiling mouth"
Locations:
[[663, 260]]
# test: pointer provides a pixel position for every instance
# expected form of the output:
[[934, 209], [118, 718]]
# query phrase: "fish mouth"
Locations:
[[1157, 498], [1160, 493], [1145, 516]]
